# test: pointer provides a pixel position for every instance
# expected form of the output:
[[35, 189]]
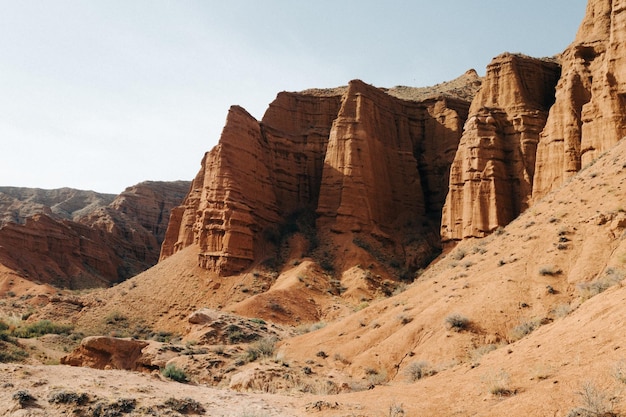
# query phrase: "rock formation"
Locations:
[[352, 161], [492, 174], [103, 352], [76, 239], [589, 115], [18, 203]]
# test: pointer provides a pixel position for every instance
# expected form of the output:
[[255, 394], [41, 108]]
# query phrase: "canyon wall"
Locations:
[[589, 115], [77, 239], [492, 174], [345, 163]]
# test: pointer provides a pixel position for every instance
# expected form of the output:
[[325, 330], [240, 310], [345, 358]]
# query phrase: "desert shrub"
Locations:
[[115, 318], [396, 410], [41, 328], [611, 277], [418, 370], [458, 254], [457, 322], [306, 328], [23, 397], [185, 406], [12, 353], [123, 405], [405, 319], [263, 348], [595, 402], [550, 270], [523, 329], [68, 397], [476, 354], [174, 373], [562, 310], [619, 371], [498, 384]]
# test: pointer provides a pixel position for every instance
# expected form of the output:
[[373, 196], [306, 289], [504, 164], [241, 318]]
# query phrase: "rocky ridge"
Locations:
[[76, 239], [492, 174], [319, 165], [589, 115]]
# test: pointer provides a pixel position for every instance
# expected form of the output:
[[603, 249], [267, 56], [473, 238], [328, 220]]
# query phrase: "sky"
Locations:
[[101, 95]]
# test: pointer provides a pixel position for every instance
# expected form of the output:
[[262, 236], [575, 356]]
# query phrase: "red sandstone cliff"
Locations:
[[75, 239], [347, 164], [589, 115], [492, 174]]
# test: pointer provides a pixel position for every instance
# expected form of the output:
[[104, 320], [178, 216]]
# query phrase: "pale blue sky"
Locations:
[[104, 94]]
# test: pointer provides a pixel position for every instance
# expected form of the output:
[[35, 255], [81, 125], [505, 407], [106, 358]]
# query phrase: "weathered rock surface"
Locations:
[[18, 203], [365, 163], [103, 352], [492, 174], [589, 115], [72, 239]]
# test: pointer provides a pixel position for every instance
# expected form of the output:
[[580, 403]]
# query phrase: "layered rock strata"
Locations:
[[492, 174], [357, 158], [77, 239], [589, 115]]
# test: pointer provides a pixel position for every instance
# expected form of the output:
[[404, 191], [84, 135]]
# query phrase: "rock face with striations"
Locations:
[[77, 239], [589, 115], [352, 162], [492, 174]]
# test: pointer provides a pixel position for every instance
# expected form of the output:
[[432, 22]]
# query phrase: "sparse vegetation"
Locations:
[[404, 319], [418, 370], [121, 406], [306, 328], [458, 254], [174, 373], [375, 376], [115, 318], [68, 397], [498, 384], [396, 410], [41, 328], [23, 398], [523, 329], [549, 270], [263, 348], [476, 354], [457, 322], [611, 277], [185, 406], [619, 371], [595, 402]]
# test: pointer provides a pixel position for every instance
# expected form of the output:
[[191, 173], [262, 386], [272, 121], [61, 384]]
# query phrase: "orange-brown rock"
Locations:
[[18, 203], [589, 115], [76, 239], [103, 352], [366, 163], [492, 174]]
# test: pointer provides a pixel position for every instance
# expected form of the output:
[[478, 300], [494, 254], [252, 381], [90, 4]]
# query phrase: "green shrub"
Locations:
[[41, 328], [174, 373], [263, 348]]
